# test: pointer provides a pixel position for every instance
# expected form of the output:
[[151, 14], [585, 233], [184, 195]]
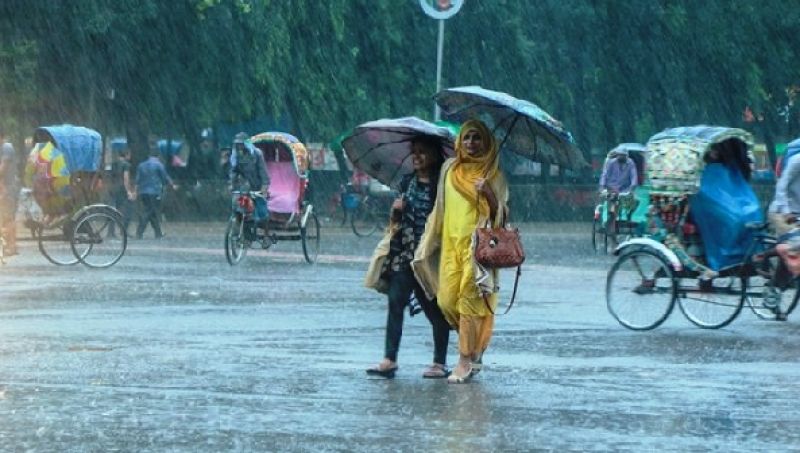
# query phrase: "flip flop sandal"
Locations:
[[387, 373], [435, 372]]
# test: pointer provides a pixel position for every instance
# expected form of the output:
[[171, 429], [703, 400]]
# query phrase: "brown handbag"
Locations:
[[500, 248]]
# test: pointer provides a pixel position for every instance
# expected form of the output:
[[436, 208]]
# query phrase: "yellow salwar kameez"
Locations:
[[460, 300], [444, 264]]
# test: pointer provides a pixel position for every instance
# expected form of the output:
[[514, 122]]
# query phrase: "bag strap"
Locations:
[[490, 219], [513, 295]]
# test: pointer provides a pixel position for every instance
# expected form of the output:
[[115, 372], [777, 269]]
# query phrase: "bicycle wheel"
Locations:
[[234, 240], [94, 244], [640, 290], [364, 221], [597, 236], [712, 304], [771, 291], [310, 237], [56, 245]]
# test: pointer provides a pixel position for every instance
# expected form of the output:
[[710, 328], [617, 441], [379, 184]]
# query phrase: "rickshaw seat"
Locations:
[[284, 187]]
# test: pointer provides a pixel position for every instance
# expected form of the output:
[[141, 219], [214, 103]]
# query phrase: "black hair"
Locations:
[[733, 154], [433, 143]]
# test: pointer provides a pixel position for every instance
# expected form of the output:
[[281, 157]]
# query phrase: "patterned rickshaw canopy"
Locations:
[[675, 160], [296, 149]]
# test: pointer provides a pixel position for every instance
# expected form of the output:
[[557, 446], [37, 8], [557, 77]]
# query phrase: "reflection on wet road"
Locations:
[[172, 349]]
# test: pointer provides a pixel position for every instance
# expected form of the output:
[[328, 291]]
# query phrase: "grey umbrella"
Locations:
[[521, 126], [382, 148]]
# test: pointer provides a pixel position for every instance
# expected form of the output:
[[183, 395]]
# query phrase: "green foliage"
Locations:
[[611, 70]]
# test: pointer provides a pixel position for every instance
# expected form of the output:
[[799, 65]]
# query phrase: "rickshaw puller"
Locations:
[[619, 174], [619, 177], [783, 215], [248, 166]]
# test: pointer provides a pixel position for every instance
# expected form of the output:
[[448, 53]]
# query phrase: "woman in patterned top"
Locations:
[[391, 262]]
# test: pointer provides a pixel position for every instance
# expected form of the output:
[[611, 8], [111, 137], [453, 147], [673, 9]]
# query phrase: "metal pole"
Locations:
[[439, 51]]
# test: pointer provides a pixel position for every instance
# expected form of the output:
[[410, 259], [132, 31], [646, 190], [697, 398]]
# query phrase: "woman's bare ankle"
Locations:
[[387, 364]]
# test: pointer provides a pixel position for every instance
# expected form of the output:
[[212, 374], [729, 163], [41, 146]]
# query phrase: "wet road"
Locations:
[[172, 349]]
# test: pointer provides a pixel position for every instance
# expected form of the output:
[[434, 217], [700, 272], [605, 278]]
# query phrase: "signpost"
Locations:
[[440, 10]]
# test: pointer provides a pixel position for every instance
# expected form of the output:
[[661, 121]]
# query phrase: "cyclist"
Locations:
[[619, 177], [619, 174], [784, 212], [249, 172]]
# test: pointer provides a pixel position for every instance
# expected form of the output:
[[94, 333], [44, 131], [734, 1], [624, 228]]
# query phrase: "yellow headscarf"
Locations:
[[468, 169]]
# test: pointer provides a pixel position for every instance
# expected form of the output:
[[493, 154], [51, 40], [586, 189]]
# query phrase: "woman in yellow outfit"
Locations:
[[472, 192]]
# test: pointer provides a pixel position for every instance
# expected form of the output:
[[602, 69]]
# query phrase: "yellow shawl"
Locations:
[[468, 169]]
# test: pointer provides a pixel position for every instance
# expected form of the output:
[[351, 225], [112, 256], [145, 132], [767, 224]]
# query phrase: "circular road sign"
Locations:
[[441, 9]]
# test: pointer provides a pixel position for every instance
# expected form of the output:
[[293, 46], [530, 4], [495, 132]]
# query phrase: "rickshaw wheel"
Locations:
[[55, 245], [310, 238], [99, 239], [234, 240], [598, 237], [640, 290], [712, 304], [770, 295]]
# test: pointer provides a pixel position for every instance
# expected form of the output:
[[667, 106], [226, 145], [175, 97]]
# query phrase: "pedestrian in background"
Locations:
[[122, 191], [151, 177], [390, 269], [472, 192], [9, 192]]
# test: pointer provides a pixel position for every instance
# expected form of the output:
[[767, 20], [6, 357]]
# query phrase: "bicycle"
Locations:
[[644, 284], [242, 230], [612, 217], [773, 293], [366, 218]]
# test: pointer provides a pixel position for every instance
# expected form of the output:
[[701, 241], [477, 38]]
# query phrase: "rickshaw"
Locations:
[[291, 216], [621, 215], [62, 174], [706, 245]]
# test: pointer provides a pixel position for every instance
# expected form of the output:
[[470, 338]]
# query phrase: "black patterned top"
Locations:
[[419, 198]]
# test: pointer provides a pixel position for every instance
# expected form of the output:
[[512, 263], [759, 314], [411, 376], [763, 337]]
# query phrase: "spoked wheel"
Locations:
[[364, 221], [235, 240], [711, 304], [99, 239], [771, 291], [56, 244], [598, 236], [309, 234], [640, 291]]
